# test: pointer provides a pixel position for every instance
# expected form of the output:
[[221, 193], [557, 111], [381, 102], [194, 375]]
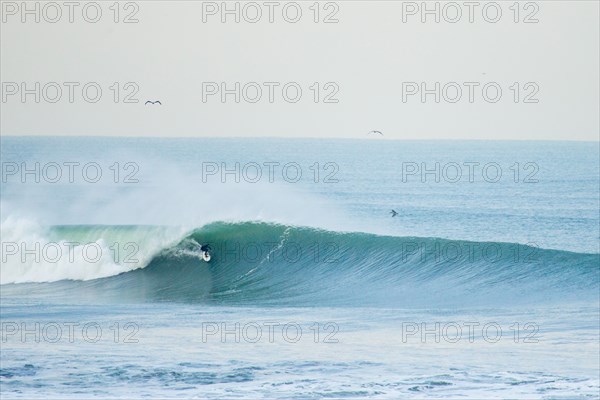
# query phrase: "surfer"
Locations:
[[205, 248]]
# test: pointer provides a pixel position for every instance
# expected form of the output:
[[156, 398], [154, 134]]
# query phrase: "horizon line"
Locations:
[[379, 138]]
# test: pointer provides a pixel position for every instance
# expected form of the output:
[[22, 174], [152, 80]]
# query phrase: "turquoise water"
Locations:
[[484, 285]]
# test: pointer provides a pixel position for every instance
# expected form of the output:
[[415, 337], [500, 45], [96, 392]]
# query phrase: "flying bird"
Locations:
[[394, 213], [375, 133], [153, 102]]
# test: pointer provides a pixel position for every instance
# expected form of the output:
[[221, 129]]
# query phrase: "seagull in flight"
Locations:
[[376, 133], [394, 213], [153, 102]]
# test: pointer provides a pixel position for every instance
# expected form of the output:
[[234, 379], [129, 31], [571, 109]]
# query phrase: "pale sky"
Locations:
[[374, 55]]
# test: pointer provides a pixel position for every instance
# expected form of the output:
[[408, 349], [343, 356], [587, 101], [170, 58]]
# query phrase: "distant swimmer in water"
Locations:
[[394, 213], [205, 248]]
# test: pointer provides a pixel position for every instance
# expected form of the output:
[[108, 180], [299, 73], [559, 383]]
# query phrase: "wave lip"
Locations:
[[263, 263]]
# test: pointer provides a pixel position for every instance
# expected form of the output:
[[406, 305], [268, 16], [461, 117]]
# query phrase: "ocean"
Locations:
[[339, 268]]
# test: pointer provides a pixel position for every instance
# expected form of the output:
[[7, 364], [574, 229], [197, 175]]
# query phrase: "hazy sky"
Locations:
[[366, 71]]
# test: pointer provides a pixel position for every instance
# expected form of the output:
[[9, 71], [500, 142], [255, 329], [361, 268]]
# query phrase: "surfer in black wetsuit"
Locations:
[[205, 248]]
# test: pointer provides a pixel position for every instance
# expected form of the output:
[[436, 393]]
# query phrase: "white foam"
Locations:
[[32, 253]]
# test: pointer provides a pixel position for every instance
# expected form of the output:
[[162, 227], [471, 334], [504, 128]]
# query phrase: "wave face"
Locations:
[[269, 264]]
